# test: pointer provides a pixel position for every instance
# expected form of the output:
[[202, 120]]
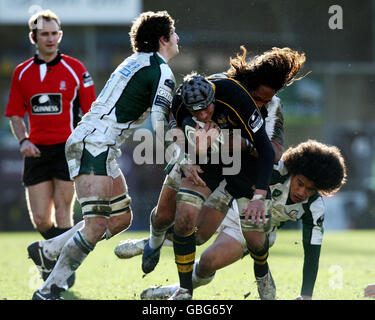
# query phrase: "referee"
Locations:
[[52, 89]]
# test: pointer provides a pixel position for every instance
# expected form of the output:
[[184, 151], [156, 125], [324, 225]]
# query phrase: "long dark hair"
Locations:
[[275, 68]]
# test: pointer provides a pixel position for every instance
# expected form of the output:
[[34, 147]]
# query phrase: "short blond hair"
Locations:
[[47, 15]]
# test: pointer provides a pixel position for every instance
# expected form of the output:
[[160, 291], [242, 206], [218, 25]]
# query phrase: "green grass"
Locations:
[[347, 265]]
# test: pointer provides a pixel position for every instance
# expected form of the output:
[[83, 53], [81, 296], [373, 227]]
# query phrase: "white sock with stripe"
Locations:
[[71, 257], [52, 247]]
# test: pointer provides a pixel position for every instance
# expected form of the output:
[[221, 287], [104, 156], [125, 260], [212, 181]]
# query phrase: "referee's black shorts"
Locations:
[[51, 164]]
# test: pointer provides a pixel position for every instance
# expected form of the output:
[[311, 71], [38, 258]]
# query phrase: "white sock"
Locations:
[[71, 257], [157, 237], [198, 280], [52, 247]]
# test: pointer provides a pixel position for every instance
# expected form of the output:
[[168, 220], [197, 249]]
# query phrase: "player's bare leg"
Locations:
[[258, 245], [223, 252], [208, 221], [95, 194]]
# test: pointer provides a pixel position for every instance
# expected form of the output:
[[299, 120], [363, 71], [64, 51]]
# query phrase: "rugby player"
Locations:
[[280, 67], [303, 175], [142, 85]]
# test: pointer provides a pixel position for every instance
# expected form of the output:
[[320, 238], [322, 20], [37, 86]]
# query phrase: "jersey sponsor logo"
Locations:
[[255, 121], [165, 94], [127, 69], [163, 98], [169, 83], [46, 104], [87, 80], [276, 193], [292, 213]]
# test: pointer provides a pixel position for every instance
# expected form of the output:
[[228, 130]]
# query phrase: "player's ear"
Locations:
[[163, 41], [60, 36], [32, 37]]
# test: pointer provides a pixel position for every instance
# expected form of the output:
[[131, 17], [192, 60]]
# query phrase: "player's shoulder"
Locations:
[[280, 173], [275, 103], [274, 109], [281, 168], [230, 90], [316, 204], [223, 81]]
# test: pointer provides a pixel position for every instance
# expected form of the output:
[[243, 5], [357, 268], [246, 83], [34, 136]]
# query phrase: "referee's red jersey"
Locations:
[[53, 94]]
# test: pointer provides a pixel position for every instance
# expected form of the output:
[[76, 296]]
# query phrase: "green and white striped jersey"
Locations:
[[311, 211], [141, 85]]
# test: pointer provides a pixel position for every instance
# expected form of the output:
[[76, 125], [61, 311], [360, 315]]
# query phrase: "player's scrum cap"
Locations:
[[197, 93]]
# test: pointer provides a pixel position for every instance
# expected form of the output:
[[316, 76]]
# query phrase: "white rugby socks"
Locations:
[[52, 247], [198, 280], [71, 257], [157, 237]]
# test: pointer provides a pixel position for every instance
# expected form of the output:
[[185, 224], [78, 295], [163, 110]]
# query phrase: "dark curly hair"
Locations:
[[275, 68], [148, 28], [324, 165]]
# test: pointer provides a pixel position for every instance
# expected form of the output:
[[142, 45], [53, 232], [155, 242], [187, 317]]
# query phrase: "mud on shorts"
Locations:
[[231, 226], [173, 178], [89, 150], [51, 164], [248, 226]]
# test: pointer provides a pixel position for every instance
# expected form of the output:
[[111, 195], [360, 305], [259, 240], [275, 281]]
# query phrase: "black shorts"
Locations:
[[51, 164]]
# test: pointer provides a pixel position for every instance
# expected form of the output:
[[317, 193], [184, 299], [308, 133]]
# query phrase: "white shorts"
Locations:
[[173, 179], [231, 226], [88, 149]]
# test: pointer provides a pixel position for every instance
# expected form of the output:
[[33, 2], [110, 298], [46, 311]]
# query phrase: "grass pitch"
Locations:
[[347, 265]]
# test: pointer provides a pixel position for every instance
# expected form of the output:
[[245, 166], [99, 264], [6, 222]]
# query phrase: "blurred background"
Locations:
[[335, 103]]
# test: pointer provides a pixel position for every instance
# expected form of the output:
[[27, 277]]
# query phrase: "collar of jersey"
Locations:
[[51, 63]]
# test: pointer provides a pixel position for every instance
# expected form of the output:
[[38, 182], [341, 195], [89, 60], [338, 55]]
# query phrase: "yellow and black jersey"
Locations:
[[236, 109]]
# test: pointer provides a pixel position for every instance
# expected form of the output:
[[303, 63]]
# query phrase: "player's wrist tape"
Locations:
[[249, 146], [258, 197], [172, 124], [23, 140]]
